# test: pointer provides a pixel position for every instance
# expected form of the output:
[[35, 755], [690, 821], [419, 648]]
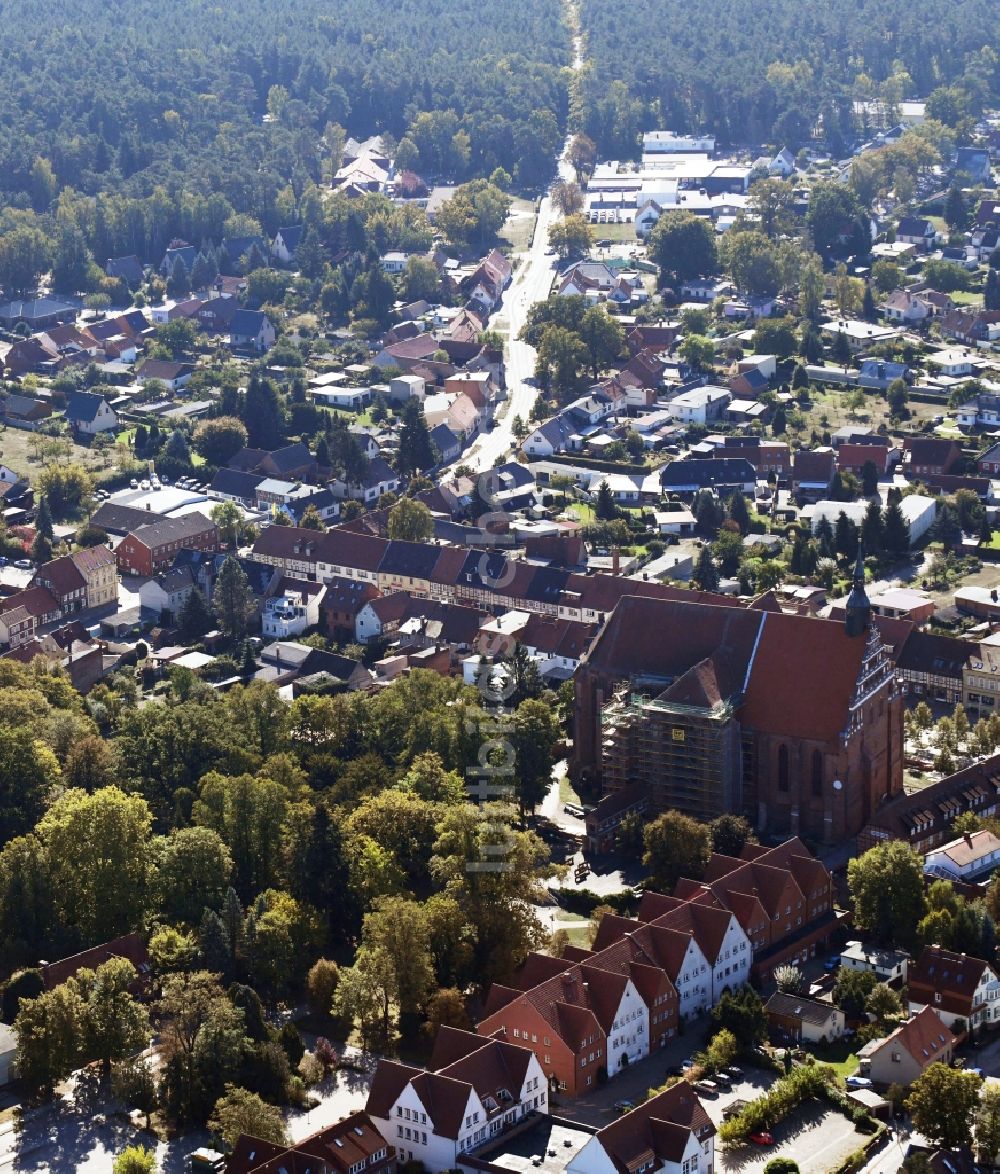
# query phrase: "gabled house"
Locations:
[[927, 455], [22, 614], [173, 375], [90, 414], [474, 1089], [216, 315], [285, 243], [670, 1133], [801, 1019], [916, 230], [127, 269], [178, 250], [252, 330], [957, 986], [812, 471], [351, 1146], [149, 548], [909, 1051]]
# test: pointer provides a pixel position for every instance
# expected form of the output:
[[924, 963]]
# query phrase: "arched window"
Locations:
[[783, 768], [817, 773]]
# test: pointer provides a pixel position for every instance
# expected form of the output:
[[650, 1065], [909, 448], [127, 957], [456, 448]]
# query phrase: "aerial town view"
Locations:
[[499, 587]]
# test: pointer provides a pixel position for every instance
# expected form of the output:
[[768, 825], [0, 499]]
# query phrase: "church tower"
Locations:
[[859, 608]]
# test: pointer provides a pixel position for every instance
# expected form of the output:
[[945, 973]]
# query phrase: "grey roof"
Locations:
[[84, 406], [247, 323], [706, 473], [165, 530], [129, 268], [291, 236], [39, 308], [796, 1007], [236, 483], [121, 519]]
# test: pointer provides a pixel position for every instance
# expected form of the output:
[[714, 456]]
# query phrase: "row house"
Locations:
[[590, 1013], [473, 1090], [84, 579]]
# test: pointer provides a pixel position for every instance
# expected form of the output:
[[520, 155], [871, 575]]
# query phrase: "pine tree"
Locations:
[[739, 513], [262, 414], [178, 284], [780, 421], [41, 549], [43, 518], [868, 311], [416, 450], [872, 530], [991, 297], [869, 478], [194, 619], [824, 538], [845, 537], [604, 508], [706, 573], [947, 529], [233, 600], [895, 531], [214, 944]]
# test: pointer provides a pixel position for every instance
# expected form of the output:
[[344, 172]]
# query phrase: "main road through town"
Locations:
[[531, 283]]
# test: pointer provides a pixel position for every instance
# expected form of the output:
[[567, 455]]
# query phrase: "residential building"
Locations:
[[669, 1133], [65, 581], [90, 414], [252, 330], [22, 614], [963, 990], [925, 819], [172, 375], [150, 548], [285, 243], [292, 610], [887, 965], [803, 1020], [812, 472], [700, 405], [292, 462], [723, 475], [129, 946], [165, 594], [970, 858], [916, 230], [923, 455], [351, 1146], [474, 1089], [909, 1051]]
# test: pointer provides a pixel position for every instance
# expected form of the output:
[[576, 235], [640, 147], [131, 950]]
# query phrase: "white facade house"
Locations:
[[968, 858], [954, 361], [700, 405], [919, 512], [628, 1039], [434, 1116], [290, 614], [670, 1134], [732, 963]]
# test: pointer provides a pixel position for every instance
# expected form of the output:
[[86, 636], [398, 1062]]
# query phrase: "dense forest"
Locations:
[[238, 99], [765, 71]]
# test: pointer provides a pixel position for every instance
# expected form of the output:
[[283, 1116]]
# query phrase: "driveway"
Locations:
[[814, 1136]]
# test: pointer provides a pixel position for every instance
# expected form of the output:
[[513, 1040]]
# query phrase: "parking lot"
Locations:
[[815, 1136]]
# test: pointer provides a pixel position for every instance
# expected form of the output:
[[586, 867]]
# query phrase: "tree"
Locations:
[[536, 730], [135, 1159], [886, 885], [943, 1103], [98, 855], [675, 846], [781, 1166], [706, 573], [895, 530], [582, 155], [321, 986], [947, 528], [775, 336], [240, 1112], [988, 1124], [24, 255], [220, 439], [872, 527], [416, 450], [567, 197], [411, 521], [771, 203], [116, 1025], [562, 354], [739, 513], [752, 263], [683, 245], [43, 518], [29, 772], [604, 507], [232, 599], [991, 294], [420, 279], [191, 871], [50, 1034], [836, 220], [852, 989], [730, 834], [66, 488], [884, 1003], [955, 212], [263, 414], [572, 237], [697, 351], [742, 1013], [811, 287], [177, 337], [474, 214], [194, 619], [603, 338], [132, 1083]]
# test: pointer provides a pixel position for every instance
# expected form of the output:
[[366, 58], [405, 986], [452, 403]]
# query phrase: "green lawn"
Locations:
[[615, 232], [566, 792], [576, 926], [582, 513], [967, 297], [838, 1055]]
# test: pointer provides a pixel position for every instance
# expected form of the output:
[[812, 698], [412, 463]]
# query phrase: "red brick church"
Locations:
[[794, 721]]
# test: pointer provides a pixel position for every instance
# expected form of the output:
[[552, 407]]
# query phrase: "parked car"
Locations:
[[573, 809], [722, 1079], [734, 1072], [733, 1109], [764, 1138], [858, 1082], [24, 563], [708, 1087], [688, 1063]]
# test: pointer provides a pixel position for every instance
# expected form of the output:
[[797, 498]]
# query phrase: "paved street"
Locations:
[[531, 283]]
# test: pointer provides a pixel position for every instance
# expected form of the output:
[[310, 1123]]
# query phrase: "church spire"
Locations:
[[859, 608]]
